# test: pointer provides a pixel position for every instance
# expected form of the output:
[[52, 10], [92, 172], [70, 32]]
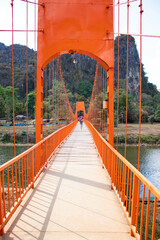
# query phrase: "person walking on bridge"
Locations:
[[81, 121]]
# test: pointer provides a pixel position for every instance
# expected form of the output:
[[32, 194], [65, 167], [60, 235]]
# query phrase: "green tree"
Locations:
[[132, 114], [2, 102], [19, 108], [84, 88], [31, 104], [151, 119], [9, 101], [157, 114], [156, 99]]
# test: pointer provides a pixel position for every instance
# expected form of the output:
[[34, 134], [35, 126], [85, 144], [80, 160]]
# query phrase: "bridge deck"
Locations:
[[72, 199]]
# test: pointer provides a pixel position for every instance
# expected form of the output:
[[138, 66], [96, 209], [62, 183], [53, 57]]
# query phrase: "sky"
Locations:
[[150, 26]]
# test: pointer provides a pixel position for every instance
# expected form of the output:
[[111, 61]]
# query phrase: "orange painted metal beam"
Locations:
[[84, 27], [80, 107], [73, 26]]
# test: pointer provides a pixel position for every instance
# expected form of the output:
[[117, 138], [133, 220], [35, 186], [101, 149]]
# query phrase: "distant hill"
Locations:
[[133, 67], [19, 67], [83, 70]]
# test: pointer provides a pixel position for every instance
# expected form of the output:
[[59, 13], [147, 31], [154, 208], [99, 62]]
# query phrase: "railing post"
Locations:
[[45, 151], [113, 169], [102, 152], [32, 167], [124, 184], [105, 156], [41, 154], [53, 143], [110, 162], [134, 202], [111, 174], [1, 210]]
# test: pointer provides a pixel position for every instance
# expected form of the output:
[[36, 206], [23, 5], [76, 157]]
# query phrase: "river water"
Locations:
[[7, 153], [149, 162]]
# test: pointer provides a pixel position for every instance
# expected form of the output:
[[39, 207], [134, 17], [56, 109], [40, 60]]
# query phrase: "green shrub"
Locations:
[[6, 137], [151, 119], [23, 133]]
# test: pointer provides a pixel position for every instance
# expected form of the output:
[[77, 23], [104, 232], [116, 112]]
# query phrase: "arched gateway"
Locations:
[[80, 107], [74, 26]]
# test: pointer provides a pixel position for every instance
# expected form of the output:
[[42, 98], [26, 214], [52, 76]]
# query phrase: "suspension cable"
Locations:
[[46, 101], [49, 96], [13, 82], [53, 95], [140, 97], [140, 90], [27, 72], [60, 69], [101, 76], [56, 95], [139, 35], [21, 30], [93, 90], [107, 103], [60, 101], [59, 94], [118, 77], [39, 4], [35, 54], [128, 2], [127, 80], [104, 100]]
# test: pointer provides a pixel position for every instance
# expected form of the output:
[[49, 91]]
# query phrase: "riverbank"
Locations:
[[150, 135], [147, 129], [6, 134], [133, 140], [17, 145]]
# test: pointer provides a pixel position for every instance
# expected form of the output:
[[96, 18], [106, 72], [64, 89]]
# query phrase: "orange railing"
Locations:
[[133, 190], [18, 175]]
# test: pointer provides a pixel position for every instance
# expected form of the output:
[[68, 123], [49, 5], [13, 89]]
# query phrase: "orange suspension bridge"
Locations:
[[73, 183]]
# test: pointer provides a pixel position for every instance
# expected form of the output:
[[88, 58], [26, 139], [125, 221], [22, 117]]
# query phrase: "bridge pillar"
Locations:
[[110, 110], [39, 105]]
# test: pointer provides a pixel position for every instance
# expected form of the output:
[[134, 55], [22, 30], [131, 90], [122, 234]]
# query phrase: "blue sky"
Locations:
[[151, 25]]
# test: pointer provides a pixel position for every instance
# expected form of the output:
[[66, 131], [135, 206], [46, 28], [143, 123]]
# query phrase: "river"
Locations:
[[7, 153], [149, 162]]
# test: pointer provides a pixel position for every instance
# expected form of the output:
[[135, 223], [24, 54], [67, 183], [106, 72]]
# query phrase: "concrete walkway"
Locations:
[[72, 199]]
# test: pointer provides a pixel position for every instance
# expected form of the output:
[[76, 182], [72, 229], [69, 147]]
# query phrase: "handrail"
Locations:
[[151, 187], [127, 182], [29, 150], [18, 175]]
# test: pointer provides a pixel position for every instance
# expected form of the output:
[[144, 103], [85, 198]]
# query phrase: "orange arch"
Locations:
[[71, 51], [83, 27], [80, 107]]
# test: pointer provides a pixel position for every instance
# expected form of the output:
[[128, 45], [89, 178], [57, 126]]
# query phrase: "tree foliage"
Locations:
[[31, 104]]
